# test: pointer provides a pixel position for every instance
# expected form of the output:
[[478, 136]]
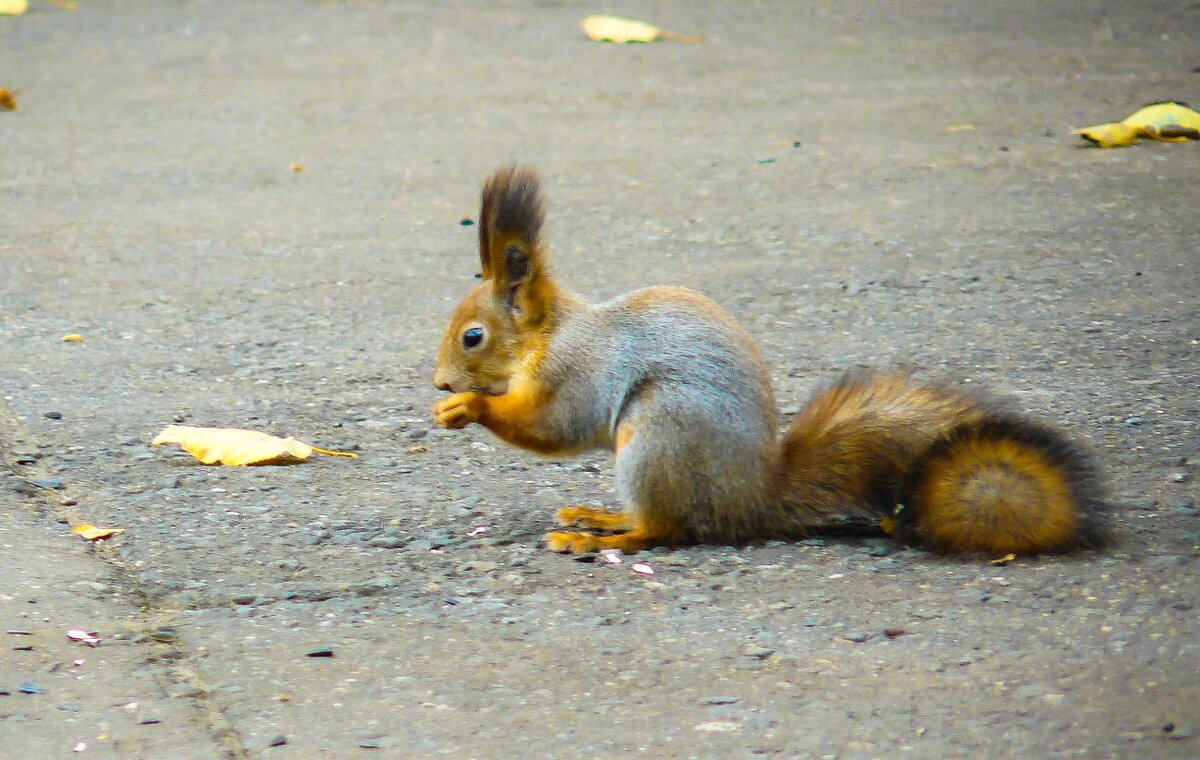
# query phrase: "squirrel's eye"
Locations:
[[473, 337]]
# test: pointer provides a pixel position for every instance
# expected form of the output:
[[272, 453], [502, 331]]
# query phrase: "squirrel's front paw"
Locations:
[[458, 411]]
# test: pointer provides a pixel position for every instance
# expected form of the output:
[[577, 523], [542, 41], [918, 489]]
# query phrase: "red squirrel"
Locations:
[[675, 387]]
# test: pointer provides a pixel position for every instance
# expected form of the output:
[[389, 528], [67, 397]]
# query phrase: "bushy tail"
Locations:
[[1000, 484], [947, 470]]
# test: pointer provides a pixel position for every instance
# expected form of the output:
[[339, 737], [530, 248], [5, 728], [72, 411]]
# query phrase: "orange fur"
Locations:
[[594, 517], [995, 496]]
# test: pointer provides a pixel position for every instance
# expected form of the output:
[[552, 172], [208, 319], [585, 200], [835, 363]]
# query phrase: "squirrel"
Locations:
[[677, 389]]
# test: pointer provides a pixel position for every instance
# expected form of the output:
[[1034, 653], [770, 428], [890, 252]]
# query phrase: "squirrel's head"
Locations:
[[503, 320]]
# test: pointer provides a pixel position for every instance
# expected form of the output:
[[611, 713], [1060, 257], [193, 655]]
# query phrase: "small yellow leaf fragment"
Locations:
[[296, 168], [235, 447], [616, 29], [67, 5], [72, 338], [13, 7], [1002, 561], [92, 533], [1113, 135], [959, 127], [8, 101]]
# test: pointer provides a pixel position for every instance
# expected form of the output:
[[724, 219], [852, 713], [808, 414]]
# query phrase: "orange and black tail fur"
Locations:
[[946, 470]]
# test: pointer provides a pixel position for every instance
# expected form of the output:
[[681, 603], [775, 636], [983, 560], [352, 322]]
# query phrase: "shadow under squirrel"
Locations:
[[672, 384]]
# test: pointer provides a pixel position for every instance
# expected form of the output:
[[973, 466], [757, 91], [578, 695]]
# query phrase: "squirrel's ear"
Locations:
[[510, 247]]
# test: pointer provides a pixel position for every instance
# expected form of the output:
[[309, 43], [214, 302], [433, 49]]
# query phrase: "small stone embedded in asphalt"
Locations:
[[52, 415], [184, 690], [758, 651], [893, 633], [718, 700], [1176, 730], [149, 721], [855, 637], [52, 483], [322, 652], [28, 687], [277, 741], [387, 542]]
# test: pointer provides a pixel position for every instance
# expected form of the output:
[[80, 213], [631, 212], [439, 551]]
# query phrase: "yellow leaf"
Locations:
[[1114, 135], [235, 447], [8, 101], [72, 338], [13, 7], [617, 29], [92, 533], [1170, 121]]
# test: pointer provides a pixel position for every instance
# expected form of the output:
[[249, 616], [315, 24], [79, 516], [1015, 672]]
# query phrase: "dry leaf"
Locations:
[[72, 338], [616, 29], [1170, 121], [8, 101], [231, 446], [13, 7], [1002, 561], [92, 533], [296, 168]]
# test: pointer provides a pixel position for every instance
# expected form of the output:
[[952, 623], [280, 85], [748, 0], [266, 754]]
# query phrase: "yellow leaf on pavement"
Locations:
[[13, 7], [231, 446], [1170, 120], [72, 338], [617, 29], [92, 533], [8, 101], [1114, 135]]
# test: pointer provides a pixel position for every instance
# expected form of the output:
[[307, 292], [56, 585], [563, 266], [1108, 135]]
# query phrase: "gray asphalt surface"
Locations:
[[859, 183]]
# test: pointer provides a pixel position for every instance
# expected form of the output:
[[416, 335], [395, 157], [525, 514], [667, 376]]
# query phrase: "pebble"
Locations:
[[758, 651], [719, 700], [184, 690], [387, 542], [277, 741], [52, 415], [54, 483], [1175, 730]]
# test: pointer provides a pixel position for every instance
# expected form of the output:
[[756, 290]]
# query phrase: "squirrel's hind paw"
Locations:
[[592, 517], [580, 543]]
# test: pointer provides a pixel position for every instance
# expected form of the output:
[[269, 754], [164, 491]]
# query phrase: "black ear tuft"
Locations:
[[516, 205], [516, 263]]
